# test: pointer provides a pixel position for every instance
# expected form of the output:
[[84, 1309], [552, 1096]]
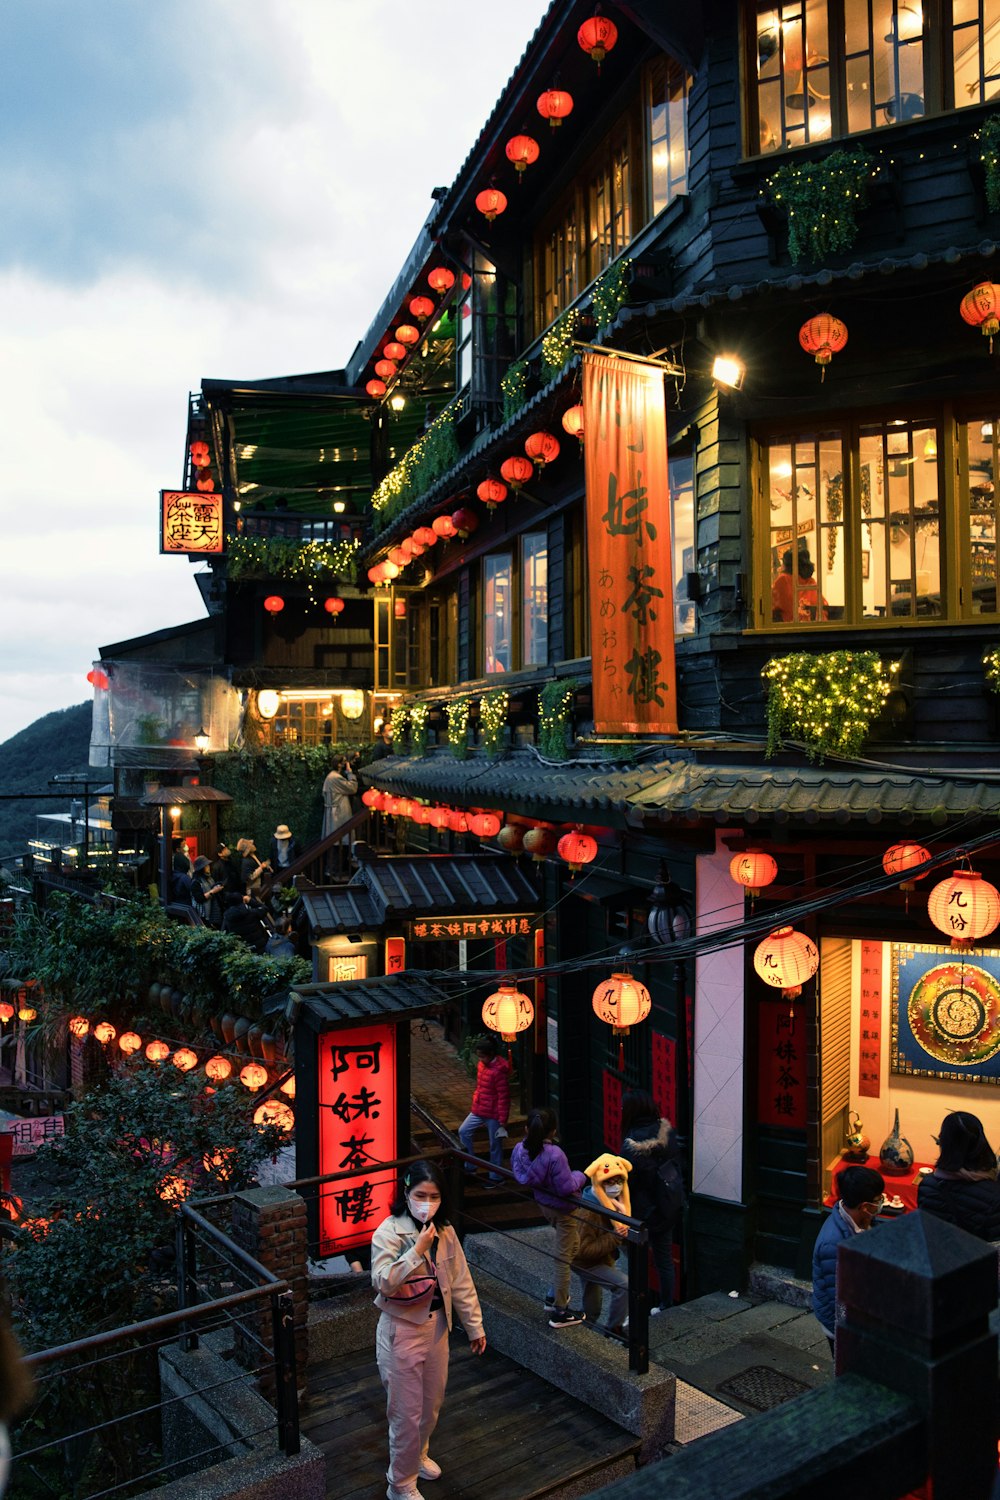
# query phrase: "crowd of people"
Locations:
[[227, 892]]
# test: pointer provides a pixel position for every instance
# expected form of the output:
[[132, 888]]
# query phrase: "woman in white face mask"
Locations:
[[420, 1274]]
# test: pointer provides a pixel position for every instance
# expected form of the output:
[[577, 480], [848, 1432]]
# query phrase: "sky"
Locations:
[[191, 188]]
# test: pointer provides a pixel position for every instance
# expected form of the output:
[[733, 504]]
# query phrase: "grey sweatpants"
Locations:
[[413, 1363]]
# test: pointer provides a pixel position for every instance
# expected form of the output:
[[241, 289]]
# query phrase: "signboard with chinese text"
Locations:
[[870, 1022], [357, 1128], [499, 925], [395, 955], [612, 1090], [628, 543], [342, 967], [30, 1134], [191, 522], [781, 1070], [664, 1079]]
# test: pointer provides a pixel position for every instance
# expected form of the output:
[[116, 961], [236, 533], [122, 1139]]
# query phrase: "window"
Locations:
[[534, 599], [680, 477], [831, 68], [497, 583], [666, 132], [857, 528]]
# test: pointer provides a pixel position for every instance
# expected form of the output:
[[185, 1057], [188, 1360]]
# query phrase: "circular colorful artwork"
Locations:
[[954, 1014]]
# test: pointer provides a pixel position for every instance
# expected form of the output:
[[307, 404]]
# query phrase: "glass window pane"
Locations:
[[983, 437], [806, 500], [496, 613], [667, 133], [975, 38], [534, 599], [681, 481], [793, 74], [904, 568]]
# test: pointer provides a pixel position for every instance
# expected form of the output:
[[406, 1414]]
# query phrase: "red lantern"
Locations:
[[511, 838], [205, 482], [274, 604], [577, 849], [394, 351], [334, 606], [288, 1087], [274, 1112], [823, 336], [104, 1033], [444, 527], [372, 799], [415, 548], [426, 536], [554, 105], [157, 1051], [253, 1076], [508, 1011], [421, 308], [753, 869], [538, 842], [421, 815], [465, 521], [491, 202], [786, 959], [218, 1069], [902, 858], [376, 388], [542, 448], [572, 420], [407, 334], [7, 1011], [77, 1026], [26, 1012], [406, 547], [457, 821], [522, 151], [184, 1059], [981, 309], [129, 1042], [375, 574], [965, 906], [390, 569], [386, 369], [597, 36], [621, 1002], [404, 807], [200, 455], [439, 818], [517, 471], [398, 556], [440, 280], [484, 825], [492, 492], [99, 680]]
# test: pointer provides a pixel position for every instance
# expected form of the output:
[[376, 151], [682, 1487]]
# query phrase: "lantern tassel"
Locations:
[[621, 1056]]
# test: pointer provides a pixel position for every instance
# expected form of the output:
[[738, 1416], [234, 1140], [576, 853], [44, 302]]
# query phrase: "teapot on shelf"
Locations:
[[856, 1143]]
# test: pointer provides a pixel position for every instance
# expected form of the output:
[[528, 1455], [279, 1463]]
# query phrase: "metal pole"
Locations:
[[638, 1300], [185, 1251], [164, 856], [286, 1394]]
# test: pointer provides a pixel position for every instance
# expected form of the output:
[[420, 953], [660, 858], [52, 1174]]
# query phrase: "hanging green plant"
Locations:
[[987, 139], [258, 557], [991, 668], [514, 386], [828, 701], [555, 707], [557, 345], [458, 724], [430, 457], [418, 728], [399, 719], [493, 717], [610, 293], [822, 200]]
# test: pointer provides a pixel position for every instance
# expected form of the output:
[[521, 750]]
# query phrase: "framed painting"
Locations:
[[945, 1014]]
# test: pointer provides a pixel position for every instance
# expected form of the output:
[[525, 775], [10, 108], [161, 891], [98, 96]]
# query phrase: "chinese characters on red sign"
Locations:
[[781, 1076], [343, 967], [395, 955], [501, 925], [612, 1106], [190, 522], [664, 1078], [357, 1128], [870, 1027], [628, 539]]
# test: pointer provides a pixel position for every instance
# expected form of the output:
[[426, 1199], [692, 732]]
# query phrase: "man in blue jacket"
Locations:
[[861, 1192]]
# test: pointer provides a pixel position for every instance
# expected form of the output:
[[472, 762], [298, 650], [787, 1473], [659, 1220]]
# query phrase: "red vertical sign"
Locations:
[[395, 955], [612, 1110], [357, 1129], [628, 544], [870, 1022], [665, 1076], [781, 1071]]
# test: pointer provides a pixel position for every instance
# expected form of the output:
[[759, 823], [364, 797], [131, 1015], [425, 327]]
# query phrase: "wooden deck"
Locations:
[[504, 1434]]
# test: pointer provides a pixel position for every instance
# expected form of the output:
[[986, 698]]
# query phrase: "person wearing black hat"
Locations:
[[246, 917], [206, 892]]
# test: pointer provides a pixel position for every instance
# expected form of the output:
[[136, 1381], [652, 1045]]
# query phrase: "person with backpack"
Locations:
[[538, 1163], [656, 1183]]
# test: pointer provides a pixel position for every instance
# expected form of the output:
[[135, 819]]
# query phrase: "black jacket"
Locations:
[[647, 1148], [973, 1206]]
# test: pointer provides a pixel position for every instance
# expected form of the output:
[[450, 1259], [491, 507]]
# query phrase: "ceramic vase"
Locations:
[[896, 1153]]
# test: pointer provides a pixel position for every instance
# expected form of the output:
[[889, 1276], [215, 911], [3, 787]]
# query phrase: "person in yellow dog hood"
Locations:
[[609, 1180], [596, 1258]]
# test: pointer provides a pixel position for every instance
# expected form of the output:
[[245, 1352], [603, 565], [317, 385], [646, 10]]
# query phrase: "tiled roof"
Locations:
[[394, 888], [321, 1006]]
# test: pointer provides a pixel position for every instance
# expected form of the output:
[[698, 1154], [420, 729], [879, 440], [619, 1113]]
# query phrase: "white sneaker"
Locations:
[[408, 1492], [428, 1468]]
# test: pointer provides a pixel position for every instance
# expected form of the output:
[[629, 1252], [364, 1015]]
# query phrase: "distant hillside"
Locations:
[[58, 744]]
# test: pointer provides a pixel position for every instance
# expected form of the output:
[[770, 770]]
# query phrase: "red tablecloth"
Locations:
[[902, 1187]]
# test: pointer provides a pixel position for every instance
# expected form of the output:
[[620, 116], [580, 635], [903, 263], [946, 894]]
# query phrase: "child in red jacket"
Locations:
[[490, 1104]]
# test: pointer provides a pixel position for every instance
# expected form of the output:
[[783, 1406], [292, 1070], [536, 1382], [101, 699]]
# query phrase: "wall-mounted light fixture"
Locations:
[[728, 371]]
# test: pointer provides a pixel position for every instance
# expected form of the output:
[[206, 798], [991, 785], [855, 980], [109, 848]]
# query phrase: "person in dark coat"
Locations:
[[206, 892], [284, 848], [225, 871], [247, 918], [860, 1194], [648, 1142], [963, 1188]]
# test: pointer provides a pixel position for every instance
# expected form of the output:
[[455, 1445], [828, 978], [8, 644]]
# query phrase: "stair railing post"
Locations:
[[638, 1300]]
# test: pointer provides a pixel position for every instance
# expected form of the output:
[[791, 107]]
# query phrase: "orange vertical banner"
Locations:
[[628, 541]]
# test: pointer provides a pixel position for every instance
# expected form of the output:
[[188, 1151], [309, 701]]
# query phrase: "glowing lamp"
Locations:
[[542, 448], [99, 680], [490, 203], [104, 1033], [372, 799], [404, 807], [77, 1026], [980, 308], [268, 703], [457, 821], [157, 1051], [204, 482], [184, 1059], [421, 815], [253, 1076], [174, 1189], [522, 151], [334, 606], [572, 420], [288, 1087], [577, 849], [443, 526], [517, 471], [965, 907], [508, 1011], [200, 456], [376, 389], [554, 105], [375, 574], [485, 825], [421, 308], [407, 334], [394, 351], [426, 536], [274, 1112], [621, 1002], [440, 280], [129, 1042], [539, 842], [6, 1011], [597, 36], [390, 569], [511, 838], [752, 870], [785, 960], [465, 521], [352, 703], [398, 556], [274, 604], [439, 818], [221, 1164], [902, 858], [492, 492], [823, 336], [218, 1069], [27, 1013], [386, 369]]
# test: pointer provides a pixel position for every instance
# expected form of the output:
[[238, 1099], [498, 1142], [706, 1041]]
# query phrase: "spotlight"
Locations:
[[728, 371]]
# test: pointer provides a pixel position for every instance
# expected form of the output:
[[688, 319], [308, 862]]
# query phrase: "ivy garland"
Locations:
[[458, 724], [493, 708], [555, 706], [418, 728], [822, 200], [829, 701], [557, 345], [514, 386], [253, 557], [987, 138], [991, 668], [430, 457], [399, 718], [610, 293]]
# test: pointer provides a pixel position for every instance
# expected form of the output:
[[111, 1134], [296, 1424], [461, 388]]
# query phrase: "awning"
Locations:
[[395, 888], [320, 1006], [180, 796]]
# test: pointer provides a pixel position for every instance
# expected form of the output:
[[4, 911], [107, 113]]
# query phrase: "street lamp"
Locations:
[[202, 740]]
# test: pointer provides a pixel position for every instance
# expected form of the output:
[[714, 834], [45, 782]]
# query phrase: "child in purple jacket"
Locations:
[[540, 1164]]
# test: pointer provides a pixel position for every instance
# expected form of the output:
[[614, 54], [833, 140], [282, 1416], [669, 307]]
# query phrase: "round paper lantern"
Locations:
[[491, 202], [174, 1188], [577, 849], [823, 336], [492, 492], [221, 1164], [465, 521], [511, 838], [621, 1002], [538, 842], [426, 536], [597, 36], [404, 807], [484, 825], [421, 308], [77, 1026], [440, 279], [274, 604], [439, 817], [184, 1059], [375, 574], [542, 448], [6, 1011], [572, 420], [522, 151], [508, 1011], [421, 815], [204, 482], [334, 606], [253, 1076], [981, 309], [517, 471], [458, 821], [386, 369], [274, 1112], [965, 907], [200, 455], [372, 798], [129, 1042], [104, 1032], [554, 105], [27, 1013], [218, 1068], [390, 569], [753, 869], [99, 679], [786, 959], [157, 1051], [376, 388], [444, 527], [407, 334], [415, 548], [288, 1087], [398, 556], [902, 858], [394, 351]]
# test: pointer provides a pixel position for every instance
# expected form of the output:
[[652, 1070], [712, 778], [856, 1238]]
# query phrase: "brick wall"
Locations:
[[269, 1223]]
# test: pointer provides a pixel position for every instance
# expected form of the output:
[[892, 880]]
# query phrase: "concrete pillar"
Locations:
[[269, 1223]]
